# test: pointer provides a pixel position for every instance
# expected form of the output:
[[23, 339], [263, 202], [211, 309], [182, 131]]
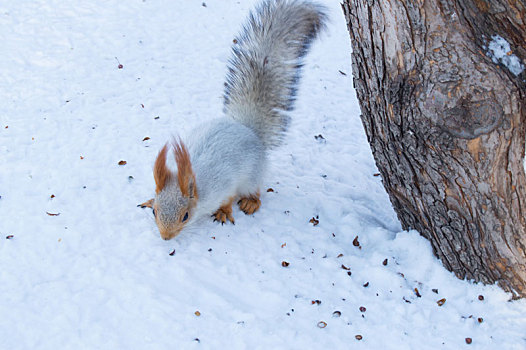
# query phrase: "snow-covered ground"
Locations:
[[98, 276]]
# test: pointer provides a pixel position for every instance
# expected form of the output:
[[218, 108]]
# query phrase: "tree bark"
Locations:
[[447, 127]]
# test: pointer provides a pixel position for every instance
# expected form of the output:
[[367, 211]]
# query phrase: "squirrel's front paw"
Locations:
[[224, 213], [148, 204], [222, 216], [249, 205]]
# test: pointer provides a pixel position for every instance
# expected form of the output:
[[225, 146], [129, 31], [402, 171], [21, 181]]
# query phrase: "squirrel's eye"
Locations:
[[154, 213], [185, 217]]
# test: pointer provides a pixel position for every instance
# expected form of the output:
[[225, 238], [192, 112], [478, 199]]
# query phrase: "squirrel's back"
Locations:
[[265, 67]]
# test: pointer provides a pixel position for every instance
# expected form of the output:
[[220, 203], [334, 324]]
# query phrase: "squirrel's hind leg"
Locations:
[[250, 204], [224, 212]]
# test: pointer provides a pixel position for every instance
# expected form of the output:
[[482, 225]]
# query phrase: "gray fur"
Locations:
[[265, 67], [171, 202]]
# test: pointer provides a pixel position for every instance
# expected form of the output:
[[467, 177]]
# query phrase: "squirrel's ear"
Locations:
[[185, 174], [161, 173], [192, 189]]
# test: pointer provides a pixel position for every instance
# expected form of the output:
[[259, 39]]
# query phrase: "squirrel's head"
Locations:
[[175, 194]]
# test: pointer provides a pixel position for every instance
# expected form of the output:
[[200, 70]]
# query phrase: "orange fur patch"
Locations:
[[185, 174], [161, 173]]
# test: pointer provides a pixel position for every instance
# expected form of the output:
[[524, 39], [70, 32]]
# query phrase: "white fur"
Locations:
[[228, 160]]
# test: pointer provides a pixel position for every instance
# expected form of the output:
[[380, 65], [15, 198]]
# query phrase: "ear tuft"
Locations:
[[185, 174], [161, 173]]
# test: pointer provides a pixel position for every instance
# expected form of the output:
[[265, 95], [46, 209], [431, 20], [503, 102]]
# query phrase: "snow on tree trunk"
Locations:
[[445, 117]]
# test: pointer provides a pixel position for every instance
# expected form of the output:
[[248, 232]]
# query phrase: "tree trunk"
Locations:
[[447, 126]]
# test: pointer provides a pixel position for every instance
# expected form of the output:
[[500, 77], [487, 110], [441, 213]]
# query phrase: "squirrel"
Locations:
[[224, 159]]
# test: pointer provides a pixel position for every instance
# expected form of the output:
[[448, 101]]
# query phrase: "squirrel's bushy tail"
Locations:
[[264, 70]]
